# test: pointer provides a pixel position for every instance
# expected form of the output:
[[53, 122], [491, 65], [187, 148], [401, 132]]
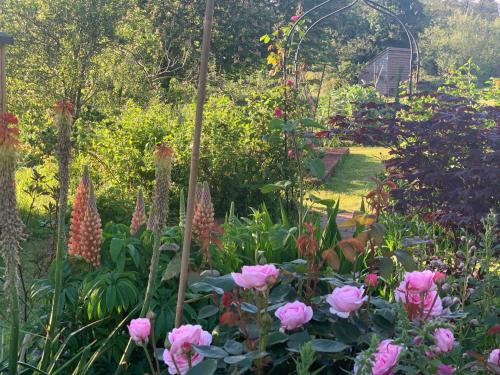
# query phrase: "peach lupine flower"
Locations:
[[79, 207], [91, 232], [204, 226], [139, 216]]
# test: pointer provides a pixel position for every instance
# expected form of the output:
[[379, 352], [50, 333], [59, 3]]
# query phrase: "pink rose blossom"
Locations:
[[256, 277], [444, 340], [290, 83], [294, 315], [494, 357], [345, 300], [181, 340], [420, 281], [386, 357], [412, 300], [294, 18], [371, 279], [443, 369], [278, 112], [291, 154], [139, 329]]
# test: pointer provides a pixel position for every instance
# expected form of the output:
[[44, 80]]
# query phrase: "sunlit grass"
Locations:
[[351, 178]]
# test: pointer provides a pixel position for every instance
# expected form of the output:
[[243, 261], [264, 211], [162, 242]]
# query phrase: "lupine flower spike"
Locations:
[[79, 207], [91, 232], [11, 226], [159, 209], [139, 216], [204, 227]]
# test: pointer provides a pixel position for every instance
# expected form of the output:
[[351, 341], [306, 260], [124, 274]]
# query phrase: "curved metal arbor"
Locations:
[[414, 49]]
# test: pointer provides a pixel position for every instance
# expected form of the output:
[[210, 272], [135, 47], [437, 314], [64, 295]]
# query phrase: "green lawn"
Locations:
[[351, 178]]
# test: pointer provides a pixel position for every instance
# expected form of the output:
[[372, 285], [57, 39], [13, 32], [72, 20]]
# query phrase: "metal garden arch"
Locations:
[[414, 49]]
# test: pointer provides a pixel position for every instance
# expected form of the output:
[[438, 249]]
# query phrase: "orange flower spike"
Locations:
[[78, 212], [91, 232], [139, 216]]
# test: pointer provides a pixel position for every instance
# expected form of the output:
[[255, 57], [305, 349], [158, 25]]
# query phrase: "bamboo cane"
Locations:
[[195, 159]]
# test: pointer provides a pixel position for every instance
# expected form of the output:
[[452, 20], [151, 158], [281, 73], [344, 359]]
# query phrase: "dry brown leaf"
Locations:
[[330, 255]]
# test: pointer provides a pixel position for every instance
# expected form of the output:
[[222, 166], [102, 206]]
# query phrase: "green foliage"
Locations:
[[453, 40], [306, 360]]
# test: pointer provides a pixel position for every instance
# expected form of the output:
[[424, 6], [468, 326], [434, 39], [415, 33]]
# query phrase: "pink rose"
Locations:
[[139, 329], [420, 281], [256, 277], [290, 83], [443, 369], [181, 340], [294, 18], [278, 112], [386, 357], [294, 315], [371, 279], [444, 340], [412, 300], [494, 357], [345, 300]]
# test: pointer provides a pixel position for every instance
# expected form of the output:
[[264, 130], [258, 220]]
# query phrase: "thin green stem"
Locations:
[[14, 307], [54, 313], [149, 359]]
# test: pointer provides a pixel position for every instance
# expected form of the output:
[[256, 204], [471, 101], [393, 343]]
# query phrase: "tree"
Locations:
[[451, 41]]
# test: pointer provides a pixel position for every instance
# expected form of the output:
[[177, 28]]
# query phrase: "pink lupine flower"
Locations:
[[294, 315], [181, 351], [256, 277], [444, 340], [139, 330], [345, 300]]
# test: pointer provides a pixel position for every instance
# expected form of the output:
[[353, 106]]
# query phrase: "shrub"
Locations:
[[449, 164]]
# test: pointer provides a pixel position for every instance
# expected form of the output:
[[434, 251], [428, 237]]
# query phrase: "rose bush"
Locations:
[[264, 324]]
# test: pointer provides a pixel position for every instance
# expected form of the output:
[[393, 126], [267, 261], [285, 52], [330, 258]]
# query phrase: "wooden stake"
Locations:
[[195, 159]]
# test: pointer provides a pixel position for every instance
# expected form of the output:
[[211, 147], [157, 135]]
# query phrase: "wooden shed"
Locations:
[[386, 70]]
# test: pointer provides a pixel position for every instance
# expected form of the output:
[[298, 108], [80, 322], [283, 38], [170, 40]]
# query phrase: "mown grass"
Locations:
[[351, 177]]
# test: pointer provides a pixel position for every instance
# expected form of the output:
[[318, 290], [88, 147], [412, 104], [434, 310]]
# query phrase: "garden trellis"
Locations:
[[414, 61]]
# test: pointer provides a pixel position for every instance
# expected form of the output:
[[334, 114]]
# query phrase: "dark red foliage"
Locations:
[[447, 166]]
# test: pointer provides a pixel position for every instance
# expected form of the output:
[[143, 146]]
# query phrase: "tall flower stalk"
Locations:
[[139, 215], [91, 231], [157, 220], [204, 227], [11, 226], [78, 212], [63, 120]]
